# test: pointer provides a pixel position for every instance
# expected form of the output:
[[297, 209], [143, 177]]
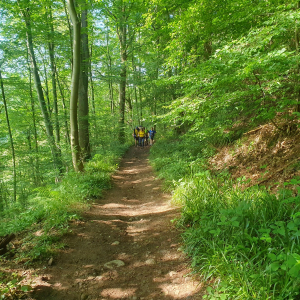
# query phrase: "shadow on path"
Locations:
[[132, 224]]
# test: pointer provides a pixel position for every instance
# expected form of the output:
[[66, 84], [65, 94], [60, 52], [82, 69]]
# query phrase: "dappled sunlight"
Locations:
[[114, 205], [116, 293], [178, 291], [118, 177], [130, 227]]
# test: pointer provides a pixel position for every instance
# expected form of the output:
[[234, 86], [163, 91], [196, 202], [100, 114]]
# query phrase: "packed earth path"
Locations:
[[126, 246]]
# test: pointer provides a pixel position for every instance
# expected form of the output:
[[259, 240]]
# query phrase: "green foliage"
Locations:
[[176, 158], [249, 239], [49, 208], [11, 286]]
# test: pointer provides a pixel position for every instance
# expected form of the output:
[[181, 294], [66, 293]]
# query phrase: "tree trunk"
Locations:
[[46, 90], [141, 105], [75, 147], [37, 165], [64, 109], [122, 96], [70, 32], [122, 87], [109, 72], [83, 101], [298, 64], [53, 77], [11, 139], [93, 95]]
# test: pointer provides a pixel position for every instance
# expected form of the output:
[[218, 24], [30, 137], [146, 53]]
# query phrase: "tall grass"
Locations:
[[248, 239], [244, 242]]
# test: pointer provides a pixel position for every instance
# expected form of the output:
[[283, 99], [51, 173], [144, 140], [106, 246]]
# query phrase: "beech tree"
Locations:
[[75, 146], [83, 102]]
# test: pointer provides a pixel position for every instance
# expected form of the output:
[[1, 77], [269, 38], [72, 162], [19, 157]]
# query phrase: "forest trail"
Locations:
[[130, 225]]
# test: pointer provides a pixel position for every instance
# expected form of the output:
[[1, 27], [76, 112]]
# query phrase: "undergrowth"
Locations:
[[177, 158], [244, 242], [40, 223], [49, 208]]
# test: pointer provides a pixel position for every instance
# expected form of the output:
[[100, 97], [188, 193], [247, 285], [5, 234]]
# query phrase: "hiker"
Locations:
[[146, 136], [151, 135], [136, 136], [141, 136]]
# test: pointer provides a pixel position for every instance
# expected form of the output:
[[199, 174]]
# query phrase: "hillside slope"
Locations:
[[265, 156]]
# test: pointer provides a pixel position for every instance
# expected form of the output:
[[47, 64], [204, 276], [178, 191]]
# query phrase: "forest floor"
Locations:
[[125, 247]]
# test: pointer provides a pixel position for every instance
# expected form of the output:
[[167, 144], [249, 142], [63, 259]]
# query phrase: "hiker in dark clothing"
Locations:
[[151, 135]]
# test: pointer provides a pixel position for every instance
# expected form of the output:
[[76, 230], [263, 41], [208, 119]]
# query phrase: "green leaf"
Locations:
[[296, 256], [272, 256], [235, 224], [291, 225], [291, 261], [275, 266], [26, 288], [295, 270]]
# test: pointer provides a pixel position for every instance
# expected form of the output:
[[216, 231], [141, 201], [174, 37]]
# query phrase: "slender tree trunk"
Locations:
[[70, 31], [141, 105], [11, 140], [122, 34], [37, 164], [96, 133], [136, 104], [83, 101], [48, 125], [53, 77], [134, 68], [122, 97], [109, 72], [92, 88], [75, 147], [64, 109], [47, 91], [298, 64]]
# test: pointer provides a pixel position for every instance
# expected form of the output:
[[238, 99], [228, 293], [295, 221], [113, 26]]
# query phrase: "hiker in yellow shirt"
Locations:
[[141, 136]]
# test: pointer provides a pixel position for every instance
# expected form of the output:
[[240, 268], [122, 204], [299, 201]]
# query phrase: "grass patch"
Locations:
[[175, 159]]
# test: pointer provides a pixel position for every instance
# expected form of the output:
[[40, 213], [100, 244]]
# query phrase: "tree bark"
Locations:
[[64, 109], [109, 72], [93, 96], [83, 101], [37, 165], [5, 241], [70, 32], [75, 147], [53, 77], [11, 140], [123, 76], [298, 64]]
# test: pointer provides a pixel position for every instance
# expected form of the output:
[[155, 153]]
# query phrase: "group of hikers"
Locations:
[[142, 135]]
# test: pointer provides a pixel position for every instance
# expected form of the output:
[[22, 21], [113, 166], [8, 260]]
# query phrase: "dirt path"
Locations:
[[131, 226]]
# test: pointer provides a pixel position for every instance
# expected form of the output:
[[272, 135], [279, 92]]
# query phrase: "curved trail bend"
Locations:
[[131, 224]]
